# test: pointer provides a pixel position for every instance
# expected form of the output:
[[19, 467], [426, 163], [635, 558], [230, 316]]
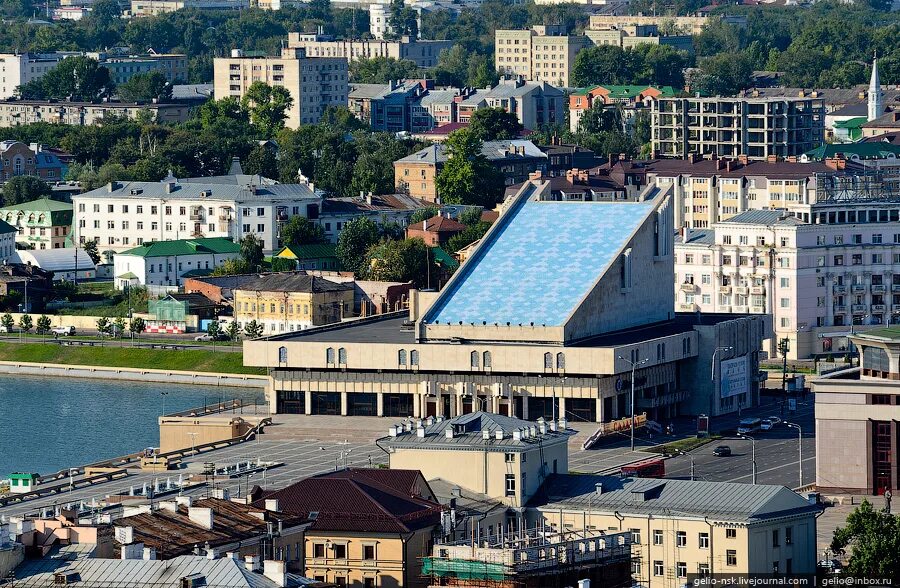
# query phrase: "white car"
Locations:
[[774, 420], [766, 425], [65, 331]]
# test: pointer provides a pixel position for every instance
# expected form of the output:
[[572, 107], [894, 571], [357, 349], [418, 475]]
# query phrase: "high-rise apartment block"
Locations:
[[17, 69], [314, 83], [541, 53], [728, 127]]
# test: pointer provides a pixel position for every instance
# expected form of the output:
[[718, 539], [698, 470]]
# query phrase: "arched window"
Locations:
[[486, 359], [282, 354], [560, 361], [329, 355], [401, 357], [342, 356], [473, 359], [413, 357], [548, 361]]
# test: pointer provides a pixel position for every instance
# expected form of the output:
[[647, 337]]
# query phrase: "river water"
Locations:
[[48, 424]]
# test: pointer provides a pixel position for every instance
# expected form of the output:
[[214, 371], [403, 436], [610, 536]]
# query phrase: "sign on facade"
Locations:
[[735, 377]]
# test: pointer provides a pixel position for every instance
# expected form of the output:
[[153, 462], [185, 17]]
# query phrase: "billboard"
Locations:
[[734, 377]]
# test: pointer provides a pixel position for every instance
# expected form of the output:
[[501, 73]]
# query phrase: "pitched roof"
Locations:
[[891, 120], [42, 205], [364, 500], [719, 167], [439, 224], [376, 203], [208, 245], [861, 150], [229, 188], [443, 258], [55, 260], [764, 217], [5, 227], [698, 237], [726, 501], [468, 433], [492, 150], [308, 251], [293, 282]]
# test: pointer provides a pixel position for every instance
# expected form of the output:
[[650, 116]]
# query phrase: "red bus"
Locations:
[[649, 468]]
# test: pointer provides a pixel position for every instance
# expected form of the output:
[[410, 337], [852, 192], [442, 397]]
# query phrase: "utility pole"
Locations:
[[633, 365], [783, 348]]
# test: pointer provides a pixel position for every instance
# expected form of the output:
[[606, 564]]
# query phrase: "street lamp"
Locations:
[[193, 437], [633, 365], [712, 377], [800, 446], [752, 455], [690, 457], [164, 394]]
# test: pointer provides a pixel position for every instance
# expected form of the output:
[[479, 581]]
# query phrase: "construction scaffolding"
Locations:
[[851, 187], [532, 558]]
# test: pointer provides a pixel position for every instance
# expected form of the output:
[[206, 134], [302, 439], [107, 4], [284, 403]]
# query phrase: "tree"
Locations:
[[398, 261], [8, 322], [90, 247], [253, 330], [600, 118], [493, 124], [251, 251], [402, 21], [233, 330], [875, 539], [604, 64], [725, 74], [424, 214], [262, 161], [26, 323], [137, 326], [381, 70], [213, 330], [470, 216], [471, 234], [467, 177], [267, 106], [232, 267], [43, 324], [282, 264], [78, 78], [145, 87], [103, 326], [299, 230], [354, 242], [118, 326], [21, 189]]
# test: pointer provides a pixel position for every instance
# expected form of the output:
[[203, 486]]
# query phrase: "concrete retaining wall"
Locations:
[[132, 374]]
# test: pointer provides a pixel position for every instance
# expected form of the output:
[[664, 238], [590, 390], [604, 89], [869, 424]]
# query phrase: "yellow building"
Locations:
[[283, 302], [542, 53], [368, 527]]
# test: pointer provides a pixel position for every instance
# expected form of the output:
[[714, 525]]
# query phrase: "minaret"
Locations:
[[876, 106]]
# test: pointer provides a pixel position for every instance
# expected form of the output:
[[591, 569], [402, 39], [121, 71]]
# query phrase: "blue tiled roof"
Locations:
[[539, 264]]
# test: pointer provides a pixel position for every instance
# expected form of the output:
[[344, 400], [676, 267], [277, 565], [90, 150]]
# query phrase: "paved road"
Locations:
[[777, 455]]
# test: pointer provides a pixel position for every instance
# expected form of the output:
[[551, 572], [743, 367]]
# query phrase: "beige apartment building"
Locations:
[[14, 113], [424, 53], [730, 127], [315, 83], [157, 7], [541, 53], [685, 25]]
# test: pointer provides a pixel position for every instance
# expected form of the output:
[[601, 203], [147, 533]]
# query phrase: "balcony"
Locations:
[[196, 216], [689, 287], [895, 308], [742, 290], [895, 288], [687, 307], [758, 309], [879, 307], [225, 218], [879, 288], [758, 290], [840, 308], [724, 309], [839, 289], [739, 309], [858, 288], [858, 308], [724, 289]]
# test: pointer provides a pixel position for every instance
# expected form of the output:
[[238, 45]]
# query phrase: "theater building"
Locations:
[[546, 317]]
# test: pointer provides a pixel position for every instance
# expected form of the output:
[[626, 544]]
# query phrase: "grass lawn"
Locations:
[[188, 360], [685, 445]]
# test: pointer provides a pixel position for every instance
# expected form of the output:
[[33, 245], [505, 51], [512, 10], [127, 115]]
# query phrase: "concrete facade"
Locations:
[[14, 113], [541, 54], [423, 53]]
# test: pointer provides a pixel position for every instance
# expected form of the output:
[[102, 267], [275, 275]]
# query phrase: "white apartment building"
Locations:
[[17, 69], [423, 52], [819, 280], [315, 83], [123, 215]]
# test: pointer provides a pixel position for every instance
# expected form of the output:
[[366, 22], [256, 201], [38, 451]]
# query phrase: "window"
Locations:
[[548, 361], [731, 557], [340, 551], [681, 569], [329, 353], [401, 357], [473, 360], [369, 582], [486, 359], [775, 538], [657, 537], [785, 282], [788, 536], [560, 361], [785, 303], [857, 239], [703, 569], [838, 260], [704, 540], [876, 238], [318, 550], [730, 533], [657, 568], [282, 354], [342, 356], [681, 539], [414, 357], [510, 484], [636, 536], [509, 457]]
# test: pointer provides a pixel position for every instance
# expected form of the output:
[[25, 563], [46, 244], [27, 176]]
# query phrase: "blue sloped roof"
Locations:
[[540, 263]]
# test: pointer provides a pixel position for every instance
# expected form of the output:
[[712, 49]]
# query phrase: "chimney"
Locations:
[[791, 159], [202, 516], [448, 432], [598, 488], [251, 562], [149, 554], [536, 175], [498, 434], [584, 583], [772, 159], [183, 501], [272, 505], [622, 157], [611, 160], [275, 571], [721, 164], [392, 431], [420, 432], [743, 159], [170, 187]]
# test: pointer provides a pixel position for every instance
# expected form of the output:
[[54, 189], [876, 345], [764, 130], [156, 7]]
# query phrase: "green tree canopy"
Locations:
[[381, 70], [398, 261], [21, 189], [299, 230], [724, 74], [267, 106], [492, 124], [467, 177], [874, 537], [75, 78], [354, 242], [145, 87], [251, 251], [262, 161], [423, 214]]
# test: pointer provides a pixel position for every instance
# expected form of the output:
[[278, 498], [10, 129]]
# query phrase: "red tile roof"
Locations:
[[440, 224], [364, 500]]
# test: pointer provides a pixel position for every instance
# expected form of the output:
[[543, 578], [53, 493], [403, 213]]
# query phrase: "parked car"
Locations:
[[3, 329], [65, 331], [766, 425], [722, 451], [774, 420], [208, 337]]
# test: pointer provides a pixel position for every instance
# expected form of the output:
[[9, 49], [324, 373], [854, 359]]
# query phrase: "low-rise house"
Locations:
[[31, 282], [19, 159], [335, 213], [313, 256], [41, 224], [369, 527], [14, 113], [219, 289], [581, 184], [165, 263], [291, 301], [7, 241], [631, 98], [436, 230], [70, 264]]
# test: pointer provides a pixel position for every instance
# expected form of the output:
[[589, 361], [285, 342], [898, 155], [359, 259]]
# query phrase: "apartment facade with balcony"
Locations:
[[820, 281], [541, 53], [424, 53], [730, 127], [315, 83], [123, 215]]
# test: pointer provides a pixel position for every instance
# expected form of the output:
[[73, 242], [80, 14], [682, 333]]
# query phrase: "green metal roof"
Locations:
[[42, 204], [889, 333], [308, 251], [868, 150], [60, 212], [128, 276], [619, 92], [443, 258], [851, 123], [185, 247]]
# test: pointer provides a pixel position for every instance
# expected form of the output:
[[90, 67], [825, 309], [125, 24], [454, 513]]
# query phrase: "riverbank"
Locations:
[[188, 366]]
